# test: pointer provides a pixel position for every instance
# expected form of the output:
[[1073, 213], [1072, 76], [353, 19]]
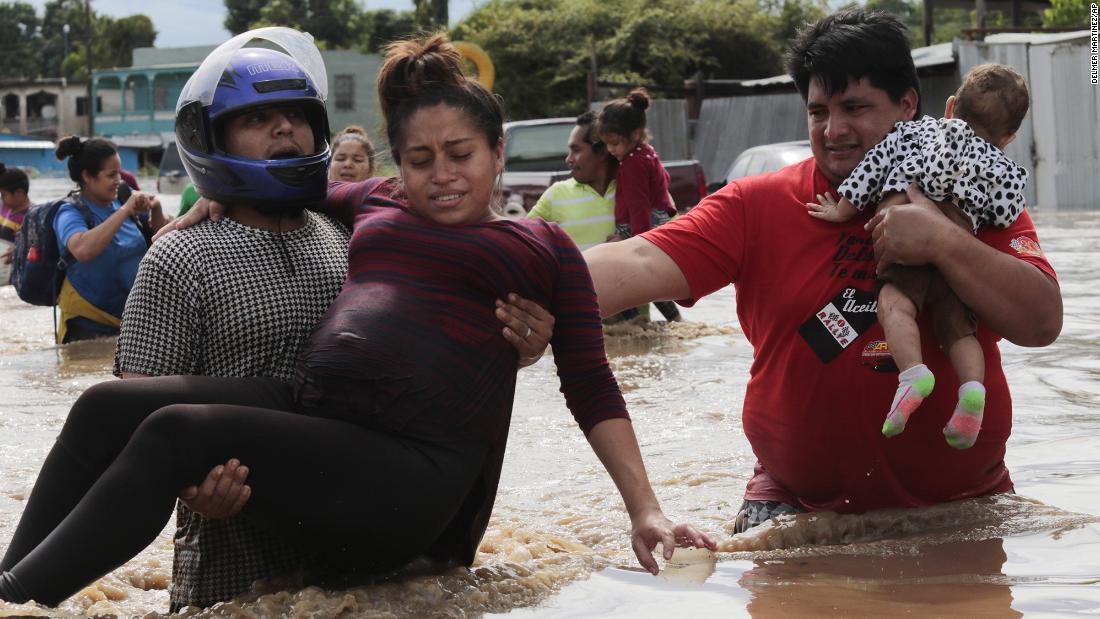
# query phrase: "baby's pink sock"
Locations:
[[914, 385], [962, 429]]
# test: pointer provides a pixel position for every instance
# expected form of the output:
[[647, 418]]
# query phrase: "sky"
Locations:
[[181, 23]]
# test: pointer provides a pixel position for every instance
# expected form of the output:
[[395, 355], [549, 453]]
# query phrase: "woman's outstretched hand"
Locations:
[[527, 326], [653, 528]]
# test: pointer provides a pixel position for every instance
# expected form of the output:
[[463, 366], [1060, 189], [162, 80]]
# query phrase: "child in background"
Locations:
[[14, 185], [957, 159], [642, 200]]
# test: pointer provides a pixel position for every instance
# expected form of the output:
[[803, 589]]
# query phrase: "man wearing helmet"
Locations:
[[241, 294], [238, 297]]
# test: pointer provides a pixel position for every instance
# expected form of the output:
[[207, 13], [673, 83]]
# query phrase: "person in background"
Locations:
[[107, 254], [642, 200], [584, 204], [188, 198], [129, 178], [14, 203], [352, 156]]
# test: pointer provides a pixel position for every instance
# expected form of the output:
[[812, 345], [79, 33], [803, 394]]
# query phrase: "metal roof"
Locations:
[[938, 55], [1037, 38], [26, 144]]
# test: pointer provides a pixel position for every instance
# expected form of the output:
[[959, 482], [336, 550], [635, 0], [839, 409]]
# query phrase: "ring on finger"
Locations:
[[528, 334]]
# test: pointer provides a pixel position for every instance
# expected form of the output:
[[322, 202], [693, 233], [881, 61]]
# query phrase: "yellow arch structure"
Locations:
[[472, 52]]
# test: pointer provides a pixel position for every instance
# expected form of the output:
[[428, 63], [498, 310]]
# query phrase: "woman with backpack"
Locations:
[[105, 238]]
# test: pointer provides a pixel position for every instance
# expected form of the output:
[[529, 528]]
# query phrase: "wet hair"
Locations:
[[993, 100], [854, 44], [425, 72], [84, 155], [355, 133], [592, 137], [624, 116], [12, 179]]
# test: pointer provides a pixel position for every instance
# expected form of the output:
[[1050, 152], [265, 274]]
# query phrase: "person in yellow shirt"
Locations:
[[584, 204]]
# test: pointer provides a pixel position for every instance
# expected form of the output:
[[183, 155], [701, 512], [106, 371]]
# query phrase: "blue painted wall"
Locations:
[[41, 161]]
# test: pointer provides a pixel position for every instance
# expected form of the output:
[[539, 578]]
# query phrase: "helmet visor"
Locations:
[[299, 45]]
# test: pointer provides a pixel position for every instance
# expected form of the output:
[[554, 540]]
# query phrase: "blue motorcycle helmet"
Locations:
[[235, 79]]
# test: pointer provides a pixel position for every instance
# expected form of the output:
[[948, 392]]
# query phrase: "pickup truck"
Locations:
[[534, 159]]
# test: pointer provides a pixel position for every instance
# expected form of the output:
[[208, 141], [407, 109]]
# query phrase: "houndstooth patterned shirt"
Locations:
[[224, 299]]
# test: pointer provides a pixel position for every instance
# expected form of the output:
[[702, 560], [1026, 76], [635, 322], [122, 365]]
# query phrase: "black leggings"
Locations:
[[363, 499]]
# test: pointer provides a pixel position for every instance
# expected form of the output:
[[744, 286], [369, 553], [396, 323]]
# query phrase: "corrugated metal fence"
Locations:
[[729, 125], [1059, 143], [667, 121]]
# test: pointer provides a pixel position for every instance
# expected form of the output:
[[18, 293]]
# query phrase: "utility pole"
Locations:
[[88, 61]]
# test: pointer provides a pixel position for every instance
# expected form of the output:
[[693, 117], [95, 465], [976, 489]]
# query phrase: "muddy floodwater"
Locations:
[[558, 542]]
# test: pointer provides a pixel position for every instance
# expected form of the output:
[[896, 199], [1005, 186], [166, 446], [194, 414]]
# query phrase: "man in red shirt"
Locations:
[[805, 297]]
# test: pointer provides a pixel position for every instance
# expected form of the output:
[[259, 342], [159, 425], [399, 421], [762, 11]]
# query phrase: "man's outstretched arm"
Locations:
[[632, 272]]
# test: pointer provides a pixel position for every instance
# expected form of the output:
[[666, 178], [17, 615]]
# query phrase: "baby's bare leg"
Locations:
[[955, 333], [899, 301], [968, 359], [898, 315]]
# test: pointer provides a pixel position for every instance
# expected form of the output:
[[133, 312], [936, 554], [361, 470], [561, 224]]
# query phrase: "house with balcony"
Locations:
[[135, 106], [44, 108]]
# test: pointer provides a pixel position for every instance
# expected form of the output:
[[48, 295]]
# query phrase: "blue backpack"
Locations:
[[37, 266]]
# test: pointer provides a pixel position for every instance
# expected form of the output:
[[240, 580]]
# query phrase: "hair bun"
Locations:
[[354, 130], [68, 147], [639, 98], [413, 67]]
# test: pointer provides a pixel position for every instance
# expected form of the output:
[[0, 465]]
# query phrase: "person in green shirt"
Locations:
[[188, 198], [583, 205]]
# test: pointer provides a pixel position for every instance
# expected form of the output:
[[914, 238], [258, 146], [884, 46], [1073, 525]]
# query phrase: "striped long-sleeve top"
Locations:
[[412, 344]]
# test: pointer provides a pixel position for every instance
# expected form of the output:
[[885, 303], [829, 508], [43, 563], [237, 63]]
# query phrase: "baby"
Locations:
[[957, 159]]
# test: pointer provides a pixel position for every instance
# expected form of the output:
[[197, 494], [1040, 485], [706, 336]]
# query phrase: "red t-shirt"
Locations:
[[813, 409]]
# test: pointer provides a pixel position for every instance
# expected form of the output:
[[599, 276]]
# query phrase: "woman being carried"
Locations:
[[389, 443]]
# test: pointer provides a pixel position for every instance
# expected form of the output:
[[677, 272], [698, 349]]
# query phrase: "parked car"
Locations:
[[767, 158], [171, 177], [534, 158]]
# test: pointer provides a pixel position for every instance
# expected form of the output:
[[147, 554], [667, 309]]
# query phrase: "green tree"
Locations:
[[432, 14], [241, 14], [792, 15], [58, 13], [20, 41], [1067, 13], [119, 37], [543, 49], [113, 40], [385, 25], [334, 24]]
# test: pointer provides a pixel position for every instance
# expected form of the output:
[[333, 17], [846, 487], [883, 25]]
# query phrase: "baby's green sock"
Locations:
[[962, 429], [914, 385]]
